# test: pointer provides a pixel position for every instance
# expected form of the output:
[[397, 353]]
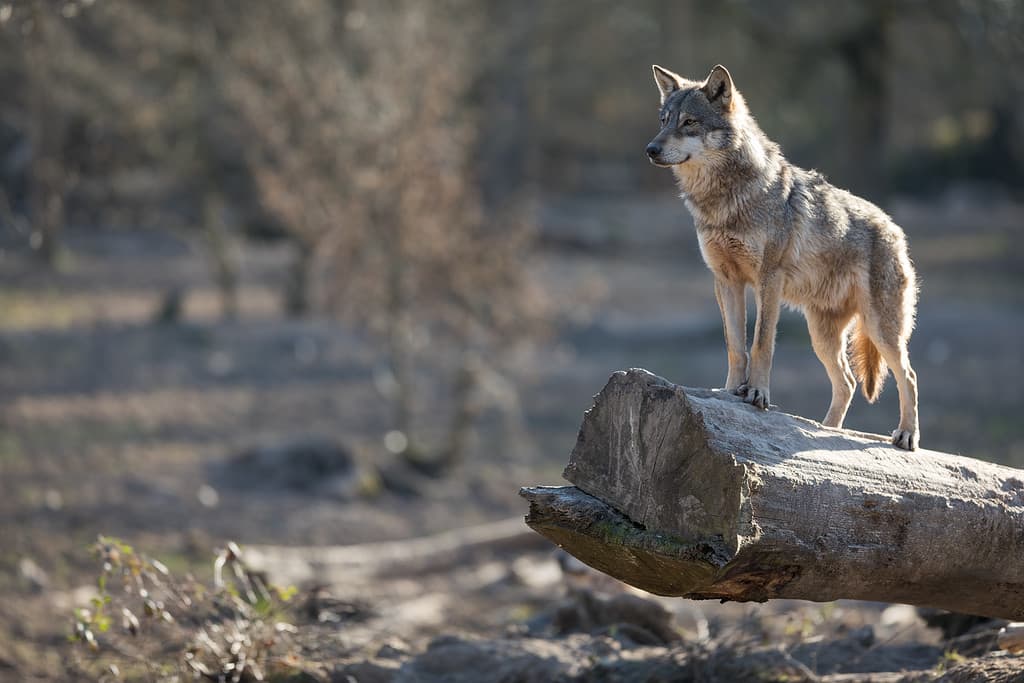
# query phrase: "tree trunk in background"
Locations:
[[399, 338], [507, 159], [298, 280], [46, 205], [864, 52], [49, 180], [465, 410], [225, 263], [692, 492]]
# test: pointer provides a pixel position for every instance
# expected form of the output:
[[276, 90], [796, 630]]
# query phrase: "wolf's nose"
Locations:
[[653, 149]]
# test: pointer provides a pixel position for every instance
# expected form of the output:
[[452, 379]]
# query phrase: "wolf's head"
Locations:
[[697, 118]]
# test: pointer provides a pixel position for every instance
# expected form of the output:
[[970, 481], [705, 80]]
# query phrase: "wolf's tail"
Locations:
[[867, 363]]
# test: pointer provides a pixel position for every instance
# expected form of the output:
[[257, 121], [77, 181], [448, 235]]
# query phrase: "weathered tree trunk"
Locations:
[[692, 492]]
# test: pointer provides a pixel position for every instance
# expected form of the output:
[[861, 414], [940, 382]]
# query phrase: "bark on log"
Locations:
[[1011, 637], [691, 492]]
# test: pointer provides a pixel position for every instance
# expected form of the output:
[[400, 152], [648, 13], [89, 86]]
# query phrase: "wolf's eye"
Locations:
[[689, 122]]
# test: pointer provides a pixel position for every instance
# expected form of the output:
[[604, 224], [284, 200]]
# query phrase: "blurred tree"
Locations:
[[52, 115], [363, 143], [186, 127], [869, 41], [119, 98], [855, 35]]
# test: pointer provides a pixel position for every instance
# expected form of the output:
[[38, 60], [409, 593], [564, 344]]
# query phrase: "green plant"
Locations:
[[146, 623]]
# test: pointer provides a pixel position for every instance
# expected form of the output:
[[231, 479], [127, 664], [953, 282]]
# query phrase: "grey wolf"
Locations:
[[792, 238]]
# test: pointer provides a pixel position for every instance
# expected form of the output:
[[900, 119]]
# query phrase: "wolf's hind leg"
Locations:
[[828, 337], [908, 433], [890, 331]]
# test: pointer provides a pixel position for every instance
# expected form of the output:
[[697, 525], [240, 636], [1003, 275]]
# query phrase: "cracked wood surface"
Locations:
[[692, 492]]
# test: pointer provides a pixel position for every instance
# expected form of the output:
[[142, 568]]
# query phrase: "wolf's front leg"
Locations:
[[732, 302], [768, 294]]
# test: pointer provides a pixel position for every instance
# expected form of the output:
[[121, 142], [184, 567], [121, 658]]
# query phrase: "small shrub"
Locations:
[[146, 624]]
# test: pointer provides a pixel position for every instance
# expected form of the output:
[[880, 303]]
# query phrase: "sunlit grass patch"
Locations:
[[47, 309], [54, 309], [149, 409], [11, 452], [23, 310]]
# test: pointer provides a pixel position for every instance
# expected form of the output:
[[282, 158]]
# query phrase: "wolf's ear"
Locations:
[[718, 87], [667, 81]]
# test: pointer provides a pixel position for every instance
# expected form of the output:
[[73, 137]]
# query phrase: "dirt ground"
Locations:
[[112, 423]]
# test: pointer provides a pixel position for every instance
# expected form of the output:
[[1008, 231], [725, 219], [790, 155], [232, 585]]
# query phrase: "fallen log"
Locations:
[[693, 493], [338, 563]]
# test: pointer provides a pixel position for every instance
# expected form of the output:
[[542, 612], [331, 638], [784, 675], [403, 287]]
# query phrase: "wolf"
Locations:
[[792, 238]]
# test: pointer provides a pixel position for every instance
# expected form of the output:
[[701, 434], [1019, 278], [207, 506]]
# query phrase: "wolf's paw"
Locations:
[[906, 439], [755, 396]]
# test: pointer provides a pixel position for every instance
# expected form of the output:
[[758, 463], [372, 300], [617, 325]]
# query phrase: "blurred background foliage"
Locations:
[[401, 150], [136, 113]]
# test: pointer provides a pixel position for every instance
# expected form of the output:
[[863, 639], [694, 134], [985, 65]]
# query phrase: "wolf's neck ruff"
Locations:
[[720, 188]]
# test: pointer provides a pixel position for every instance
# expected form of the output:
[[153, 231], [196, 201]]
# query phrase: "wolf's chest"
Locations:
[[731, 257]]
